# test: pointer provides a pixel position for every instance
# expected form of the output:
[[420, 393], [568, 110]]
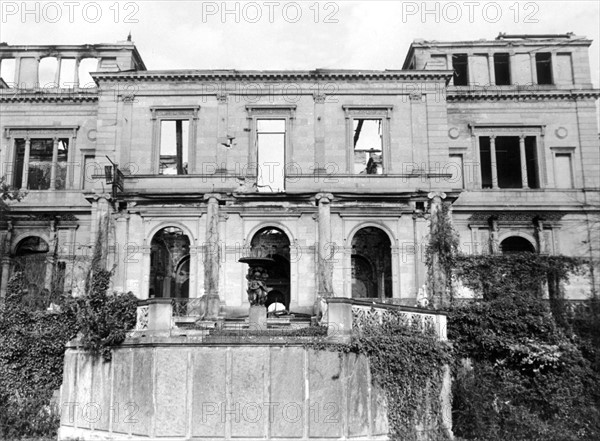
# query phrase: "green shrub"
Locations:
[[526, 379]]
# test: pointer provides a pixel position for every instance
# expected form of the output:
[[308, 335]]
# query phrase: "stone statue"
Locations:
[[257, 288]]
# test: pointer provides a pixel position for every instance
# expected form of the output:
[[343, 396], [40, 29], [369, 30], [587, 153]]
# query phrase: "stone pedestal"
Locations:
[[258, 318]]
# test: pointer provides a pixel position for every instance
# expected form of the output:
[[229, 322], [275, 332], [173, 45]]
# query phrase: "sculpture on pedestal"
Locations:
[[257, 287]]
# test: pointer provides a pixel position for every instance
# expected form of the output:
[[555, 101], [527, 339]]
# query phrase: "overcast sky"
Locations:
[[289, 35]]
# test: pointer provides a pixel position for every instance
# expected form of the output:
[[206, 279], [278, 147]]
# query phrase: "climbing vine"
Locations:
[[442, 248], [407, 363]]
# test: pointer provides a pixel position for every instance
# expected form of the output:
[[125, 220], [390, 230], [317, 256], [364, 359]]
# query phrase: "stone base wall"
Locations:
[[180, 390]]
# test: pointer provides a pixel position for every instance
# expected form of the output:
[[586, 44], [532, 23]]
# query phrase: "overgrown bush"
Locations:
[[518, 376], [32, 345], [104, 318]]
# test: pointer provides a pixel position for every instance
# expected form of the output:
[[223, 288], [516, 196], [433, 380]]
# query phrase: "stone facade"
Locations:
[[327, 171]]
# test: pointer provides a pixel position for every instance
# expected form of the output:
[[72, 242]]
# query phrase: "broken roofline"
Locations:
[[318, 74]]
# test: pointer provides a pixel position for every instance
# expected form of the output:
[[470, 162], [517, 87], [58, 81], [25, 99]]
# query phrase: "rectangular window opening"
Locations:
[[502, 69], [460, 65], [174, 147], [41, 164], [532, 162], [508, 162], [543, 65], [270, 142], [486, 162], [368, 146]]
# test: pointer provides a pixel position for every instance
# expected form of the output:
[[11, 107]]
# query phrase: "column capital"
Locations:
[[324, 198], [209, 196], [437, 194]]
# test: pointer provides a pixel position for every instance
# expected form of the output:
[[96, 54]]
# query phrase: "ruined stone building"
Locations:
[[329, 172]]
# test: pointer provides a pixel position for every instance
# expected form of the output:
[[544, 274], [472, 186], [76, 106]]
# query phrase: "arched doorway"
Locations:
[[274, 243], [170, 264], [371, 264], [516, 244], [43, 281]]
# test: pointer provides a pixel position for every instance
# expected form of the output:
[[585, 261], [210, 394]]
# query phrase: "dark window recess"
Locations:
[[516, 244], [460, 65], [486, 162], [502, 69], [532, 162], [543, 65], [508, 162]]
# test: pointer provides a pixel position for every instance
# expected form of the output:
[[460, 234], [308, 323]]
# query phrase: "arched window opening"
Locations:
[[516, 244], [274, 243], [371, 264], [170, 264]]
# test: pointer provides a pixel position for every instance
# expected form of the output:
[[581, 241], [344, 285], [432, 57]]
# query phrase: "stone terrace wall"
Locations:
[[178, 390]]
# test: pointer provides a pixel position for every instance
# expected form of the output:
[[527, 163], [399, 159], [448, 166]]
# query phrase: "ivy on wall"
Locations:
[[32, 346]]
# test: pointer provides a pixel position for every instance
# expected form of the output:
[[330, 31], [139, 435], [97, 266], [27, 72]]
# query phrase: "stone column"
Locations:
[[25, 177], [6, 259], [524, 178], [533, 68], [437, 275], [51, 258], [54, 164], [491, 69], [493, 159], [494, 243], [212, 260], [325, 246]]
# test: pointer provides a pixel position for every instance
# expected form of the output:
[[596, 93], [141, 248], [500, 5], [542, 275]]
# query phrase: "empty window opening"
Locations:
[[543, 64], [507, 162], [563, 170], [516, 244], [67, 73], [170, 264], [368, 146], [47, 72], [7, 70], [502, 69], [174, 147], [460, 65], [86, 66], [43, 172], [270, 141], [371, 264]]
